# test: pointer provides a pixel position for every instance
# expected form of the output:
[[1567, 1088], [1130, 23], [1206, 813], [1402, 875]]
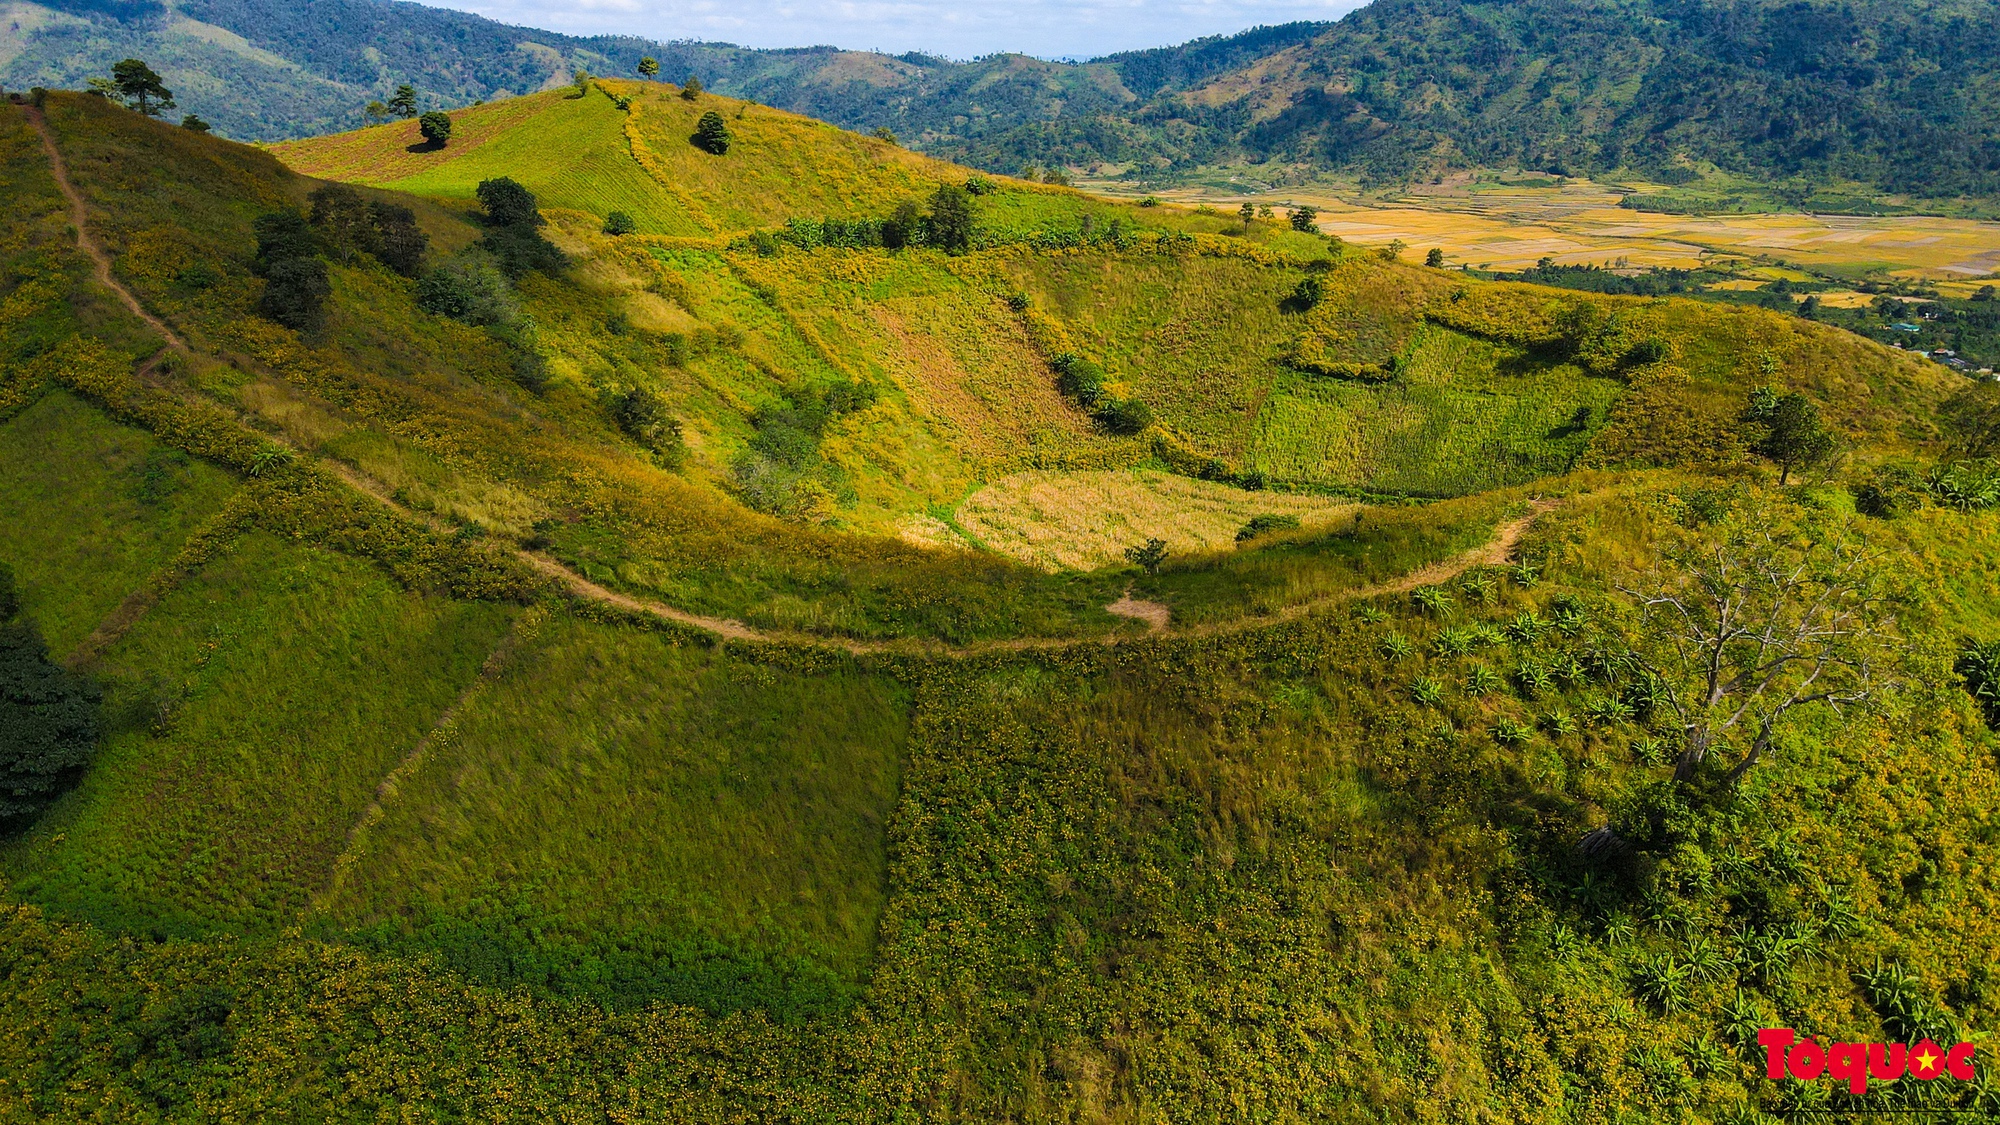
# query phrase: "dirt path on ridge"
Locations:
[[100, 260], [1156, 615]]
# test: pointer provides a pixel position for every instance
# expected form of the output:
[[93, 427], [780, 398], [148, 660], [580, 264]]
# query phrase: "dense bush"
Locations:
[[1124, 416], [295, 293], [1079, 378], [618, 222], [472, 292], [1264, 525], [48, 716]]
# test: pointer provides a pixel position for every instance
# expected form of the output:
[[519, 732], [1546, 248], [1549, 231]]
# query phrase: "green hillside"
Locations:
[[471, 744]]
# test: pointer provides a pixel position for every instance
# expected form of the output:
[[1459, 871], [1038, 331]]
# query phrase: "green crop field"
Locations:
[[1127, 665]]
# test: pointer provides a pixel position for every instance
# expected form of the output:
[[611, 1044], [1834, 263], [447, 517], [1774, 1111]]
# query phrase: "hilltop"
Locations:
[[529, 670]]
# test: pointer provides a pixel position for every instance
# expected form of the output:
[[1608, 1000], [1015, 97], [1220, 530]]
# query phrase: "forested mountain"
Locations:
[[1895, 93]]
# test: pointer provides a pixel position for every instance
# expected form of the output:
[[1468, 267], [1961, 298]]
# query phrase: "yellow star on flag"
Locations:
[[1927, 1061]]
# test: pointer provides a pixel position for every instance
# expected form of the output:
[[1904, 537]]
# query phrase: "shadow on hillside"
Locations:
[[425, 146]]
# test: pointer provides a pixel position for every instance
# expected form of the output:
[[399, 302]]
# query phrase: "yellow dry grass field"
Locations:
[[1084, 520]]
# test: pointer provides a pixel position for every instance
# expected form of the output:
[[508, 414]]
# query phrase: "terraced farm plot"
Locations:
[[1083, 520], [254, 710], [89, 509], [623, 816]]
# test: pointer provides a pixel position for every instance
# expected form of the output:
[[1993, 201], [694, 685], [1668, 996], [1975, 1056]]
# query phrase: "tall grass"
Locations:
[[709, 830], [252, 712], [89, 509]]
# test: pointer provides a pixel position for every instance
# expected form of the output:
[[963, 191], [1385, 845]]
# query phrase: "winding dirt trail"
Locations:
[[100, 261], [1157, 616]]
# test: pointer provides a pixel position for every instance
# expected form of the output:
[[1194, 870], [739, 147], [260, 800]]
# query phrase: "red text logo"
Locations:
[[1785, 1054]]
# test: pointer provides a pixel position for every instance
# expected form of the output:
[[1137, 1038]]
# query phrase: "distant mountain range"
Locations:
[[1901, 94]]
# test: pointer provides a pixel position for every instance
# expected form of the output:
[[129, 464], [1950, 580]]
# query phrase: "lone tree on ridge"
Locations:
[[435, 126], [141, 88]]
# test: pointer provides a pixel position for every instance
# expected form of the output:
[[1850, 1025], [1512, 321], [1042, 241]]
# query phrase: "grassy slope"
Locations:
[[1237, 877], [279, 672], [585, 154], [614, 788], [91, 509]]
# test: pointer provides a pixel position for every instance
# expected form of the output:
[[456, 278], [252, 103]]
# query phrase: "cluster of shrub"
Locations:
[[644, 418], [290, 248], [1656, 282], [946, 225], [477, 288], [782, 472], [49, 716], [1082, 381]]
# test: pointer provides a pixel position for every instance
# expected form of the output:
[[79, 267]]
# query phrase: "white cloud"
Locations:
[[1048, 28]]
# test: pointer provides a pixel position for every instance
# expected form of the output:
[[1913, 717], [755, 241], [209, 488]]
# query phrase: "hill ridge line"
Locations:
[[728, 629]]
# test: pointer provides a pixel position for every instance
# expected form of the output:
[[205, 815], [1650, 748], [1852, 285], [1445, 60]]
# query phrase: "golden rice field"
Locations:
[[1083, 520], [1580, 223]]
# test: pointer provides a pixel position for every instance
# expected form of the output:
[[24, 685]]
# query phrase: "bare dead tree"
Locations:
[[1741, 633]]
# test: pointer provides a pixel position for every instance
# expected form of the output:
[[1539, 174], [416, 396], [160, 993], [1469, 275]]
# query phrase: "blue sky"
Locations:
[[1049, 28]]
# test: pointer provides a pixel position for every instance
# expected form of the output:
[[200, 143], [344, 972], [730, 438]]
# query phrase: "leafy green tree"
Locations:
[[1305, 219], [282, 235], [49, 716], [951, 219], [884, 133], [1435, 259], [295, 293], [377, 112], [140, 87], [618, 222], [1788, 431], [711, 133], [436, 127], [343, 221], [691, 89], [580, 80], [400, 243], [1148, 556], [512, 239], [649, 68], [507, 203], [404, 103], [1247, 212], [903, 227]]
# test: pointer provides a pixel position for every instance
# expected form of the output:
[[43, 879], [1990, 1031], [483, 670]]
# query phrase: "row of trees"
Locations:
[[948, 224], [341, 224]]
